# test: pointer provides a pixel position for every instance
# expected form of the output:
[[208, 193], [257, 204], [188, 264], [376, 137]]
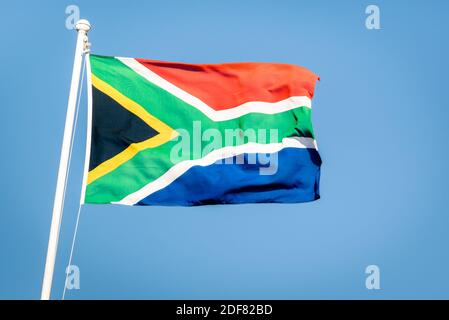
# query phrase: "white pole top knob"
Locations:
[[83, 25]]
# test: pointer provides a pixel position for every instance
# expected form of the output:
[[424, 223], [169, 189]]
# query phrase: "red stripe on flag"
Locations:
[[225, 86]]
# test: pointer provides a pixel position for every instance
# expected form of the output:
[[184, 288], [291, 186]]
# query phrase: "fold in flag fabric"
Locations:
[[164, 133]]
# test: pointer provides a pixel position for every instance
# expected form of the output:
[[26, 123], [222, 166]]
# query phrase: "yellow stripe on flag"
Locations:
[[166, 133]]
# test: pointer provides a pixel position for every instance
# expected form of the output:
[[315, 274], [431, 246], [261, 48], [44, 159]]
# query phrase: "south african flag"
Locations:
[[165, 133]]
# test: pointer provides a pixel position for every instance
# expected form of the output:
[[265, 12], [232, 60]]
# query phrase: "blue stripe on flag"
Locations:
[[296, 180]]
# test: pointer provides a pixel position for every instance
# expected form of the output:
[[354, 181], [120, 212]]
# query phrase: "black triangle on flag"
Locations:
[[114, 128]]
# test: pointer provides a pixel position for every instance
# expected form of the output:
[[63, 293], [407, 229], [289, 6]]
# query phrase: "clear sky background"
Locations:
[[381, 120]]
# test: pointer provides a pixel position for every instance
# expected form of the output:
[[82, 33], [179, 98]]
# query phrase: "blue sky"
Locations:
[[380, 116]]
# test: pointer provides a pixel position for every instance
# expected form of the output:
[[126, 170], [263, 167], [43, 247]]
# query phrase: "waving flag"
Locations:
[[164, 133]]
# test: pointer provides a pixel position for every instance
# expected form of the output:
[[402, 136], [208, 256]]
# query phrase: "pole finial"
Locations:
[[83, 25]]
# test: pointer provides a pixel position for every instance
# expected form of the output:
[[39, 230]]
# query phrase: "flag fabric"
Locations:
[[165, 133]]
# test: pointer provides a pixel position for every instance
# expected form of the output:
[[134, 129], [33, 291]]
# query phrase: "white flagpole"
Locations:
[[82, 27]]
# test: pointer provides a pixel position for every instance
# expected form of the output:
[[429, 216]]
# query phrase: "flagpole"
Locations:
[[82, 27]]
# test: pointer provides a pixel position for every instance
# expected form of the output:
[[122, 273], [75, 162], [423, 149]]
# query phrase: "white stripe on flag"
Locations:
[[180, 168]]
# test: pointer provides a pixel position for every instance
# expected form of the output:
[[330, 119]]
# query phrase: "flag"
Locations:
[[166, 133]]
